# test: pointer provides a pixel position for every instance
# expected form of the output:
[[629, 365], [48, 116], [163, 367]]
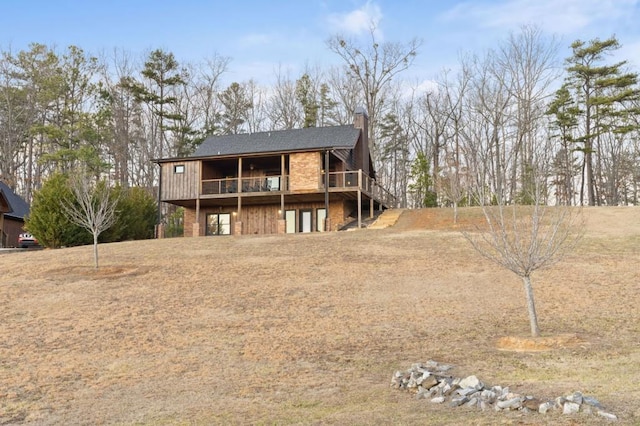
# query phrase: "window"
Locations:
[[321, 215], [273, 183], [218, 224], [178, 168]]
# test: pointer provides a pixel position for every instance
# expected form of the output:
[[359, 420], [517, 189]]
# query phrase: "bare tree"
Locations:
[[345, 91], [93, 207], [524, 239], [283, 109], [374, 66]]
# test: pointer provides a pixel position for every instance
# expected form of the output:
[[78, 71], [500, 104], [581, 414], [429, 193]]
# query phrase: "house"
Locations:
[[13, 211], [274, 182]]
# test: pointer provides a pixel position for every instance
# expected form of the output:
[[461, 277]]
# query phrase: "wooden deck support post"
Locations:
[[237, 229], [327, 221], [359, 198]]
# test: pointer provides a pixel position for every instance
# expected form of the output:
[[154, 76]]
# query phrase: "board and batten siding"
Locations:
[[180, 186]]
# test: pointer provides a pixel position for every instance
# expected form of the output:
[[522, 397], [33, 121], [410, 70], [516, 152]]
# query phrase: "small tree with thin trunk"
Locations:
[[524, 239], [93, 207]]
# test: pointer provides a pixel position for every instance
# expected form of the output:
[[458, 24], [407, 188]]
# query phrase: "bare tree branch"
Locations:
[[94, 207]]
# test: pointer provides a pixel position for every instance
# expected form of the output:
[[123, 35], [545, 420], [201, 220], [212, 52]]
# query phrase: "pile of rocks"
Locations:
[[432, 381]]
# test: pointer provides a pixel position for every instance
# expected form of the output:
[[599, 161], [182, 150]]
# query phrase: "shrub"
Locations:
[[136, 212], [47, 220]]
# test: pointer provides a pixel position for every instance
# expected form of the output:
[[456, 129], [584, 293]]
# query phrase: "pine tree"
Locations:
[[236, 107], [307, 98], [602, 92]]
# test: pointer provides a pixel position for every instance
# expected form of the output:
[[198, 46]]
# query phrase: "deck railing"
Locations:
[[357, 179], [349, 180], [249, 184]]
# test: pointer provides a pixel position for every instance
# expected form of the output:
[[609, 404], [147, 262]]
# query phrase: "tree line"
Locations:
[[504, 121]]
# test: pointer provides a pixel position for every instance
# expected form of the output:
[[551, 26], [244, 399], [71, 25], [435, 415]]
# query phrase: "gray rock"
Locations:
[[471, 382], [575, 397], [412, 384], [531, 403], [431, 364], [456, 402], [467, 391], [488, 395], [570, 408], [607, 415], [510, 404], [545, 406], [428, 381], [589, 400], [472, 403], [443, 367], [396, 380]]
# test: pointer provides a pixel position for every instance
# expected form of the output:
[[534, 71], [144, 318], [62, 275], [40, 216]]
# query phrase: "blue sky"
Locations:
[[261, 37]]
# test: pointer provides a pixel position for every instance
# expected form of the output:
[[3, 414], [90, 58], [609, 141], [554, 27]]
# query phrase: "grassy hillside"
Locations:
[[308, 329]]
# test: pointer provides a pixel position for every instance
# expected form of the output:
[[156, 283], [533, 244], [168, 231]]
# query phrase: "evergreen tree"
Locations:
[[307, 98], [47, 220], [236, 107], [162, 75], [327, 113], [136, 215], [421, 188], [564, 123], [602, 92]]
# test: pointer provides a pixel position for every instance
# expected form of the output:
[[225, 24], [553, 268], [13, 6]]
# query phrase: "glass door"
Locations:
[[305, 220], [218, 224], [321, 215], [290, 221]]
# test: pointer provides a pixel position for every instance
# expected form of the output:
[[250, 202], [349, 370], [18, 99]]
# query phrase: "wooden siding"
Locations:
[[304, 171], [12, 228], [263, 219], [180, 186]]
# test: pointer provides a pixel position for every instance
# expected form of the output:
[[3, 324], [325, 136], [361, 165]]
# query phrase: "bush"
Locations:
[[136, 216], [136, 212], [47, 220]]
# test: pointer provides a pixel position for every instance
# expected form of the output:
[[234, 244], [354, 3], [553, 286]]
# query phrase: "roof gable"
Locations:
[[310, 138], [19, 208]]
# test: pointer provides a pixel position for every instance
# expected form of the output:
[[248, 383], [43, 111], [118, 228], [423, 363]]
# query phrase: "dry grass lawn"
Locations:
[[308, 329]]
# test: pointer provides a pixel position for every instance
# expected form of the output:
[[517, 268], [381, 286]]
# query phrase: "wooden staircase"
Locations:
[[387, 218]]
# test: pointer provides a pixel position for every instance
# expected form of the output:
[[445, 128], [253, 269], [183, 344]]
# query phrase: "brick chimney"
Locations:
[[361, 121]]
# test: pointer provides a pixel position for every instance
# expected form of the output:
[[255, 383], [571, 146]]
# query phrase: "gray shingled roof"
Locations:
[[310, 138], [18, 205]]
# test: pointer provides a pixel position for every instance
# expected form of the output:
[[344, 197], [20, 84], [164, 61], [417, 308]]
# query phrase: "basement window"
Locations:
[[178, 168]]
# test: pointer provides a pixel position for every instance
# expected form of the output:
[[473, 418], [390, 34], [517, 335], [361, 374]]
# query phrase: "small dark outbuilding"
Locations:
[[13, 211]]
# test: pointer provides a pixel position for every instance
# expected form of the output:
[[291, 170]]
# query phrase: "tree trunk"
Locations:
[[455, 211], [531, 306], [95, 249]]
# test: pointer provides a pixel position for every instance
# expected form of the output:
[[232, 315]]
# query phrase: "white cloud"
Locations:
[[357, 21], [560, 17]]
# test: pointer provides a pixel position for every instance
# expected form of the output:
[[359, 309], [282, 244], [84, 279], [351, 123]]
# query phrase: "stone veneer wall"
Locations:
[[189, 220], [304, 171]]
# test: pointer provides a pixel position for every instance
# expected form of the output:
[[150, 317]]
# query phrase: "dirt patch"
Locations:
[[536, 344]]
